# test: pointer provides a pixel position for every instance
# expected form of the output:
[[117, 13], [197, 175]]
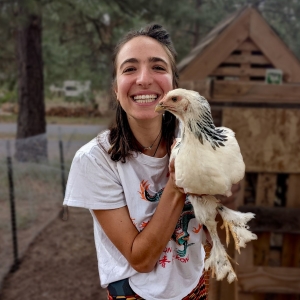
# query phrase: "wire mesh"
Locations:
[[37, 187]]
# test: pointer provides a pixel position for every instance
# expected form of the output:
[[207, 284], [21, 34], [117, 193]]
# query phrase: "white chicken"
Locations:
[[208, 162]]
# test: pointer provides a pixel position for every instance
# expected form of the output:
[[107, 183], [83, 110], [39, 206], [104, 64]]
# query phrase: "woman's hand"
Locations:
[[172, 175], [172, 170], [230, 201]]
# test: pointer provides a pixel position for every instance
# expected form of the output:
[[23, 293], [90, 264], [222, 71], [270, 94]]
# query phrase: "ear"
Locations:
[[115, 89]]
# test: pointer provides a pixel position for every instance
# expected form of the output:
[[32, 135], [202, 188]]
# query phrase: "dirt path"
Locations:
[[61, 264]]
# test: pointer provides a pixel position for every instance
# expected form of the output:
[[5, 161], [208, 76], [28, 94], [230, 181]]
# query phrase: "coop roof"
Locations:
[[242, 46]]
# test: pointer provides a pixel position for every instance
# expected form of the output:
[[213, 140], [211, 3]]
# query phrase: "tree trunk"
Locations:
[[197, 25], [31, 142]]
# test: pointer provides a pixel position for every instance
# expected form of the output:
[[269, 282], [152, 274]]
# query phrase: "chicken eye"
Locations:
[[174, 99]]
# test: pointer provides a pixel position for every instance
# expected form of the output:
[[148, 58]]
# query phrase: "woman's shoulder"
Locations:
[[97, 147]]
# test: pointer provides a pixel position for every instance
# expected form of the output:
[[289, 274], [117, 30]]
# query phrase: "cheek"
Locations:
[[167, 82], [123, 85]]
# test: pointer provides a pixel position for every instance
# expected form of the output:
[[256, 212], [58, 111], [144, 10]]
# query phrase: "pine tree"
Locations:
[[31, 117]]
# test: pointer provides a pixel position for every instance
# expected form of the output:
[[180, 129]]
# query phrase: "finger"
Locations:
[[174, 143], [172, 166], [235, 187]]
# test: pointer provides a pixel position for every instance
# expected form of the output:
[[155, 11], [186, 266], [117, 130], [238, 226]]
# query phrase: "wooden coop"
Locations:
[[231, 67]]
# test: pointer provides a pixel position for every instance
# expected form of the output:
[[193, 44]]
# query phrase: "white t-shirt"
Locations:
[[97, 182]]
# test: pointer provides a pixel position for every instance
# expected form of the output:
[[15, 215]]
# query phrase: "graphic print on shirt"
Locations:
[[180, 235], [144, 185]]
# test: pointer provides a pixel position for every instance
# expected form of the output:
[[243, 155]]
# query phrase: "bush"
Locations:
[[8, 96]]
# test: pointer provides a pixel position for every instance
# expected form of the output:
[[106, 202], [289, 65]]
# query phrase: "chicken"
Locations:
[[208, 162]]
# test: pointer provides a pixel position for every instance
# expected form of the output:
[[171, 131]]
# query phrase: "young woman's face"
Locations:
[[144, 76]]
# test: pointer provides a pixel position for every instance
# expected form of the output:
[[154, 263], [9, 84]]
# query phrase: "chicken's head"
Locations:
[[182, 103]]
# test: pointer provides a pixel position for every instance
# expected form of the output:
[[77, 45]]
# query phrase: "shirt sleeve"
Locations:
[[93, 183]]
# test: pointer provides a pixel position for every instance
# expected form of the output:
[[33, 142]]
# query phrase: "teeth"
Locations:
[[145, 98]]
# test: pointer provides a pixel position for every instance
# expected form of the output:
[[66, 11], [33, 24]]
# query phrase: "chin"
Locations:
[[147, 116]]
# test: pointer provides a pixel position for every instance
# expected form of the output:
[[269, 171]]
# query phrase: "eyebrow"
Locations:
[[151, 59], [157, 59]]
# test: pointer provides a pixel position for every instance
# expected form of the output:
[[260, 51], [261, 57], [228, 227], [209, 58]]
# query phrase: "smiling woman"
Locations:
[[144, 224]]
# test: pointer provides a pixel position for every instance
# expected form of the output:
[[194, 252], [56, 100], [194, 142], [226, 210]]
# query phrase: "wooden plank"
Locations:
[[270, 280], [203, 87], [236, 71], [245, 66], [244, 262], [291, 250], [222, 289], [188, 84], [274, 48], [246, 259], [211, 56], [261, 249], [239, 200], [268, 138], [214, 289], [246, 296], [265, 196], [265, 189], [234, 91], [293, 194], [248, 45], [291, 242], [274, 219], [247, 58]]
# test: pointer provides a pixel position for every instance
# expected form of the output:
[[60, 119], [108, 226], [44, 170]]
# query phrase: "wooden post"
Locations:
[[265, 196], [291, 242]]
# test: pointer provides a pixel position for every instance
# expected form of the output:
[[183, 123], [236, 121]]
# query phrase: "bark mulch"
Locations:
[[60, 264]]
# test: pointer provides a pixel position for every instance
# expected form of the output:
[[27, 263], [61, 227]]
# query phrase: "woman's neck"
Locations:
[[148, 135]]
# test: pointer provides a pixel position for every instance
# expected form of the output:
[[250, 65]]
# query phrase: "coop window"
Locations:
[[256, 52], [257, 78], [258, 66], [229, 65]]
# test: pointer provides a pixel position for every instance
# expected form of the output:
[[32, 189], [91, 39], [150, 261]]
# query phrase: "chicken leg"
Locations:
[[236, 223], [205, 209]]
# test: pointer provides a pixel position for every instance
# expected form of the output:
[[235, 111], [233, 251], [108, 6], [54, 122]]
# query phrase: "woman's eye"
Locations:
[[127, 70], [159, 68]]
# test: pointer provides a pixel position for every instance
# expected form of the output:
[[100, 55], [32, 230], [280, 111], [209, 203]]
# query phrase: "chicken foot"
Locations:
[[205, 209], [236, 223]]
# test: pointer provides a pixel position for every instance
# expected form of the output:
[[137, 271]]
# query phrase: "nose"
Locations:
[[144, 78]]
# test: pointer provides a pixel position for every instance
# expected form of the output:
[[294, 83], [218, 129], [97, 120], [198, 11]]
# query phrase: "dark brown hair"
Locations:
[[121, 138]]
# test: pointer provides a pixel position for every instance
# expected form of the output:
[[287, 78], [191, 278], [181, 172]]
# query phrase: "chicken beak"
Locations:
[[159, 107]]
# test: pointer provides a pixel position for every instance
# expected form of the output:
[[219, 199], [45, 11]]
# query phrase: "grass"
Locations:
[[8, 118], [34, 183], [64, 121], [57, 120], [79, 120]]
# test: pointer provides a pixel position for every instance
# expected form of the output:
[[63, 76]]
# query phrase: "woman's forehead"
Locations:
[[140, 48]]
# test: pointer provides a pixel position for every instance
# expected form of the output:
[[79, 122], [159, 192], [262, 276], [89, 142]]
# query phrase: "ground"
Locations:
[[60, 264], [58, 259]]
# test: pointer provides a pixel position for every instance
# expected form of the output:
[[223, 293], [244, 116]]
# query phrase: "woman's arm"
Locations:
[[143, 249]]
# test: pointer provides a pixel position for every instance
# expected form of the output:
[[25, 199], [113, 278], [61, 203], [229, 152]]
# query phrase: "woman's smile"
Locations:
[[145, 98]]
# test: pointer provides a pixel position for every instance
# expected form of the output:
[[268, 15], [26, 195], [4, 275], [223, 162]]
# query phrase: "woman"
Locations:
[[147, 239]]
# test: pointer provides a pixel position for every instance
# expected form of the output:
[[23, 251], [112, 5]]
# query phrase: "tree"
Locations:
[[78, 38], [31, 117]]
